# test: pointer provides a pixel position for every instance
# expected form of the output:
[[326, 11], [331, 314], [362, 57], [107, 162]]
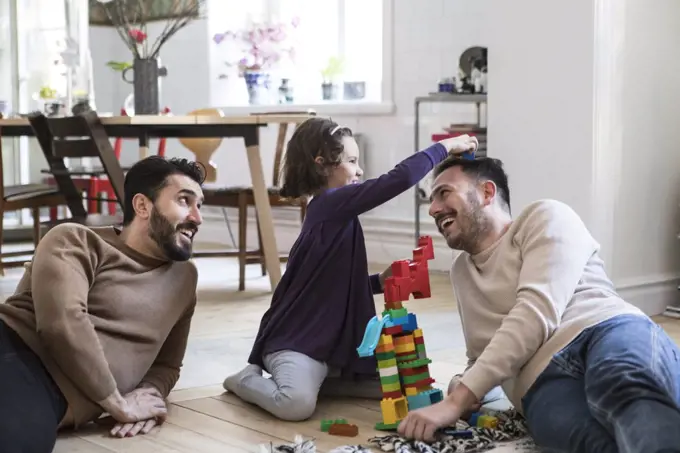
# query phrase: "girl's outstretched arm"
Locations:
[[355, 199]]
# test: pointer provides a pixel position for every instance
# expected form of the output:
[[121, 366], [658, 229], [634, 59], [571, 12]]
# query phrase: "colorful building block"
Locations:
[[344, 429], [397, 341], [327, 423], [482, 420]]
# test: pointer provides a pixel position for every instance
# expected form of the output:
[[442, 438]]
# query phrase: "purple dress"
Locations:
[[324, 300]]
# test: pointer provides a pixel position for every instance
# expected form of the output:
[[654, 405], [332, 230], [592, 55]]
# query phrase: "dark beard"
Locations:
[[164, 234], [473, 227]]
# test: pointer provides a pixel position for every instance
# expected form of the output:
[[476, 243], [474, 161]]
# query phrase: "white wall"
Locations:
[[582, 108], [646, 215]]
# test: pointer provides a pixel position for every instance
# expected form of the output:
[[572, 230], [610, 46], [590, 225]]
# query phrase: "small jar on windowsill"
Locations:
[[330, 91]]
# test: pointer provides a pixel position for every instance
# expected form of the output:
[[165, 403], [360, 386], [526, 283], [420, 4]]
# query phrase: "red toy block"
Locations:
[[394, 330], [412, 276]]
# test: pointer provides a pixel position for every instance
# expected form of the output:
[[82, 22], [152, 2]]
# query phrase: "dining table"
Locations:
[[247, 127]]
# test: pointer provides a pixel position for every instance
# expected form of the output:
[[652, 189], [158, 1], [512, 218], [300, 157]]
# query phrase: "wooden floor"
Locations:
[[204, 419]]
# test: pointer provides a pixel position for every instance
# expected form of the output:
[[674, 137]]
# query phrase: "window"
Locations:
[[346, 31]]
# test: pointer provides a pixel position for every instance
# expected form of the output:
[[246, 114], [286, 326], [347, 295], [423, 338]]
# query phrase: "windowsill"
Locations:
[[338, 108]]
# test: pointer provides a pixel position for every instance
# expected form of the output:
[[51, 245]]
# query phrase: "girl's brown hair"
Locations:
[[316, 137]]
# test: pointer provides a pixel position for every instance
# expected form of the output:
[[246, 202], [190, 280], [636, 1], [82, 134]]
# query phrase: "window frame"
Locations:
[[342, 107]]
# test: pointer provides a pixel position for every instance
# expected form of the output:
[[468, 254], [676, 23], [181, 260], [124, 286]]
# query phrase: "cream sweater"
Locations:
[[528, 296]]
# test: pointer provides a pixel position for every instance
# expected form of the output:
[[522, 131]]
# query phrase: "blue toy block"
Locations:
[[459, 434], [424, 399], [436, 396], [418, 401], [400, 321], [411, 324], [408, 323], [473, 418]]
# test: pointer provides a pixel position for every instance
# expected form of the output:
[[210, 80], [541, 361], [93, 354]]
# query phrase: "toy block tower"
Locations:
[[398, 342]]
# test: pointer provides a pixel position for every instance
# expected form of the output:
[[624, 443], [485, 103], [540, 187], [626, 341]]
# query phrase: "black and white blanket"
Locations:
[[511, 427]]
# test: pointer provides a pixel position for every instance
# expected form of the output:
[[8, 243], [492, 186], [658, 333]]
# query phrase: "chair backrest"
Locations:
[[74, 199], [77, 136]]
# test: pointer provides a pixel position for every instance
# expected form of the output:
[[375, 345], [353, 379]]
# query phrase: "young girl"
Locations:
[[308, 338]]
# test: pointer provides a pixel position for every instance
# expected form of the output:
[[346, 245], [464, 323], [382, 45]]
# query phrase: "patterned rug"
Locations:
[[511, 427]]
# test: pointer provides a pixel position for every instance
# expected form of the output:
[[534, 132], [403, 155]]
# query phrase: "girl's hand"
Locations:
[[384, 275], [460, 144]]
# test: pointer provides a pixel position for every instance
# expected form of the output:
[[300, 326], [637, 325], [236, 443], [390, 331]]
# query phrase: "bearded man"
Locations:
[[100, 319], [541, 318]]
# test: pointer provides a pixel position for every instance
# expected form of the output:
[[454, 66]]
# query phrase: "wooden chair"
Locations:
[[76, 137], [17, 198], [92, 181], [242, 198]]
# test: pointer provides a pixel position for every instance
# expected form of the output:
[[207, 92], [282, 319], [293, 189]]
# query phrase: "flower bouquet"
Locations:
[[258, 49]]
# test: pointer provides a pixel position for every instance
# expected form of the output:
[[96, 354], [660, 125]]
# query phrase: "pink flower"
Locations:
[[137, 35]]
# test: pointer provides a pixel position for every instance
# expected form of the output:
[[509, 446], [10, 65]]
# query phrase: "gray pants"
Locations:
[[295, 384]]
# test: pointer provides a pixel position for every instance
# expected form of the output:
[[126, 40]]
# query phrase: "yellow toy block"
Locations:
[[487, 421], [405, 348], [418, 333], [393, 410], [411, 391], [385, 340]]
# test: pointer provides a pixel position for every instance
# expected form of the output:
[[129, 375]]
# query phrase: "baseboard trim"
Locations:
[[651, 294], [388, 240]]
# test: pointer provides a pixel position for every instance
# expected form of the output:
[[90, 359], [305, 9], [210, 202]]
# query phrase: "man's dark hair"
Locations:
[[301, 175], [150, 175], [482, 168]]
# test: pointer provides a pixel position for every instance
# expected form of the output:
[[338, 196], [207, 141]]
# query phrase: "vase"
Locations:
[[257, 83], [329, 91], [146, 81]]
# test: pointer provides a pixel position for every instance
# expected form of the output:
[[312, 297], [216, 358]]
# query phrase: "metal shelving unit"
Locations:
[[477, 99]]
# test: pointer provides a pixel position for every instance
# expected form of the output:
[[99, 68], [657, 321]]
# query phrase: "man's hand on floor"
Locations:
[[422, 424], [144, 408], [132, 429]]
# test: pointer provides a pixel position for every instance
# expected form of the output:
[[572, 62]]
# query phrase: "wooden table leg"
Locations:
[[264, 215], [143, 146]]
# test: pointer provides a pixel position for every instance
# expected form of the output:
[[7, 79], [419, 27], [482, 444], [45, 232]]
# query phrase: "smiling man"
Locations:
[[99, 322], [541, 318]]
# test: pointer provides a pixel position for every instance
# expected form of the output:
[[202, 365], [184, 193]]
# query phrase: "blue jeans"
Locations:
[[615, 388]]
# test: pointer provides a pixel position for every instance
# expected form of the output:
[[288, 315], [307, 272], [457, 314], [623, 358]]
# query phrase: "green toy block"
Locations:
[[407, 358], [385, 355], [415, 378], [414, 363], [394, 379], [326, 423], [396, 313], [386, 427]]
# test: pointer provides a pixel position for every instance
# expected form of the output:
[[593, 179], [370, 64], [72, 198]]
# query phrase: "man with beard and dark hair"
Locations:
[[541, 318], [100, 319]]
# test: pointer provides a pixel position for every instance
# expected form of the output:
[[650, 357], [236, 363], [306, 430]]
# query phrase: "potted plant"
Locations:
[[329, 76], [130, 19]]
